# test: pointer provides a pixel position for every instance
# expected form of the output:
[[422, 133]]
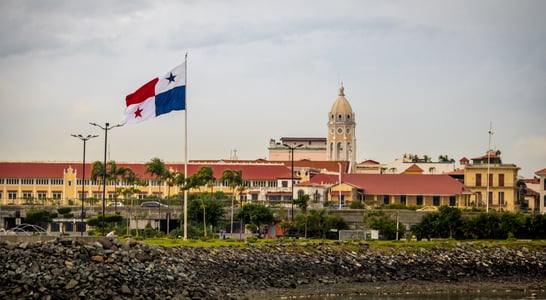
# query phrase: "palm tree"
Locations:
[[203, 177], [156, 167], [234, 179], [97, 172], [113, 174], [172, 178]]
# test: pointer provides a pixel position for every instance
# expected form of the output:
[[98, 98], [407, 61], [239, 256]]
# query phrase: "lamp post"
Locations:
[[84, 139], [105, 128], [292, 148]]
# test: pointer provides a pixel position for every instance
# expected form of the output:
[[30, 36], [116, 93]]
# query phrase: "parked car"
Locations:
[[152, 204], [428, 208], [115, 204]]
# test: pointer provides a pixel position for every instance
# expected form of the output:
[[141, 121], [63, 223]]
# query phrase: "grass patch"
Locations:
[[351, 245]]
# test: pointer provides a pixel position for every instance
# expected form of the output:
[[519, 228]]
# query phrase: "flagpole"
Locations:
[[186, 147]]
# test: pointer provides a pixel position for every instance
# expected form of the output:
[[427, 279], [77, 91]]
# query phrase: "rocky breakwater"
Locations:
[[108, 269]]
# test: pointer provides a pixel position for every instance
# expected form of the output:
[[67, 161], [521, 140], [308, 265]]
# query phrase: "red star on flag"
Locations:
[[138, 113]]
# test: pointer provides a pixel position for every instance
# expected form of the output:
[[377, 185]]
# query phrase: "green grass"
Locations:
[[385, 245]]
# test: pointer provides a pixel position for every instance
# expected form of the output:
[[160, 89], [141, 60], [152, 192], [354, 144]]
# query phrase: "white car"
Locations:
[[115, 204]]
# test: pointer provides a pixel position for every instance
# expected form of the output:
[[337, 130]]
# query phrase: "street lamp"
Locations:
[[292, 148], [105, 128], [84, 139]]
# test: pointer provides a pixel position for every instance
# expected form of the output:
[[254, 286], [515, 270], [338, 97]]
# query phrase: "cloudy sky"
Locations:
[[423, 77]]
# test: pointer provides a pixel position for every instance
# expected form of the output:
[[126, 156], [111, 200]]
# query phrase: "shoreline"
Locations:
[[70, 269], [530, 288]]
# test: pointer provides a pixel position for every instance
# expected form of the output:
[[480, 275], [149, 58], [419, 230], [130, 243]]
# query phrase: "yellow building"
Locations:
[[406, 189], [488, 178]]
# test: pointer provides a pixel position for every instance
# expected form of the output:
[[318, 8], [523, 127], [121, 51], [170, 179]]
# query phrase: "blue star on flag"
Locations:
[[171, 77]]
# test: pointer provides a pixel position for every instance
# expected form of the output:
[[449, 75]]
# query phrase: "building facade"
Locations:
[[492, 183], [542, 190]]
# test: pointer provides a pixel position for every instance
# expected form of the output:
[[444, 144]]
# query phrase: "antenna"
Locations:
[[490, 132]]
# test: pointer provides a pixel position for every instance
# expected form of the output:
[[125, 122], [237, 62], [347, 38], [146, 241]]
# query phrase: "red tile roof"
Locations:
[[55, 169], [541, 172], [323, 178], [413, 169], [369, 162], [405, 184]]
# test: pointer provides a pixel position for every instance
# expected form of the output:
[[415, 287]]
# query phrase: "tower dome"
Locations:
[[341, 105]]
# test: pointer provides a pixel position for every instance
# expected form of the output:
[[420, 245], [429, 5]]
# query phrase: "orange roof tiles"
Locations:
[[413, 169], [55, 169], [541, 172], [404, 184]]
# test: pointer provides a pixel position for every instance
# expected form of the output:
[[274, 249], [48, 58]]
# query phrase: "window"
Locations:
[[42, 195], [27, 181], [79, 182], [70, 183], [97, 195], [501, 198], [501, 179], [258, 183], [340, 130], [254, 197], [56, 195], [386, 199], [348, 130], [42, 181], [12, 181], [403, 199], [141, 196], [490, 179], [490, 198], [339, 117], [478, 179], [272, 184], [544, 200], [57, 181], [27, 195], [1, 180], [284, 183], [419, 200], [436, 200], [452, 201]]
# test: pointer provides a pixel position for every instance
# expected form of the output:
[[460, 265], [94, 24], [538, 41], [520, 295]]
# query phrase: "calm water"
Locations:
[[459, 296]]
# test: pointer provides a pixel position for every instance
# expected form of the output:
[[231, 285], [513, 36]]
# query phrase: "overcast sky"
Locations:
[[423, 77]]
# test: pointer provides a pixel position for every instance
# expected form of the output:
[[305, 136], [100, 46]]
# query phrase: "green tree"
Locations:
[[449, 221], [38, 216], [380, 221], [97, 173], [110, 220], [255, 215], [214, 211], [233, 179], [202, 177], [113, 174], [302, 202], [156, 168]]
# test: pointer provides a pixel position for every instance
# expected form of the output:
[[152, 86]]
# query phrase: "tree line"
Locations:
[[449, 222]]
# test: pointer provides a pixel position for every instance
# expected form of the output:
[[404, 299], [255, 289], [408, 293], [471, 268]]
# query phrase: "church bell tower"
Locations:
[[341, 142]]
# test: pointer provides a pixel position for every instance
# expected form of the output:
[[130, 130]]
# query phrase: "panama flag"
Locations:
[[158, 96]]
